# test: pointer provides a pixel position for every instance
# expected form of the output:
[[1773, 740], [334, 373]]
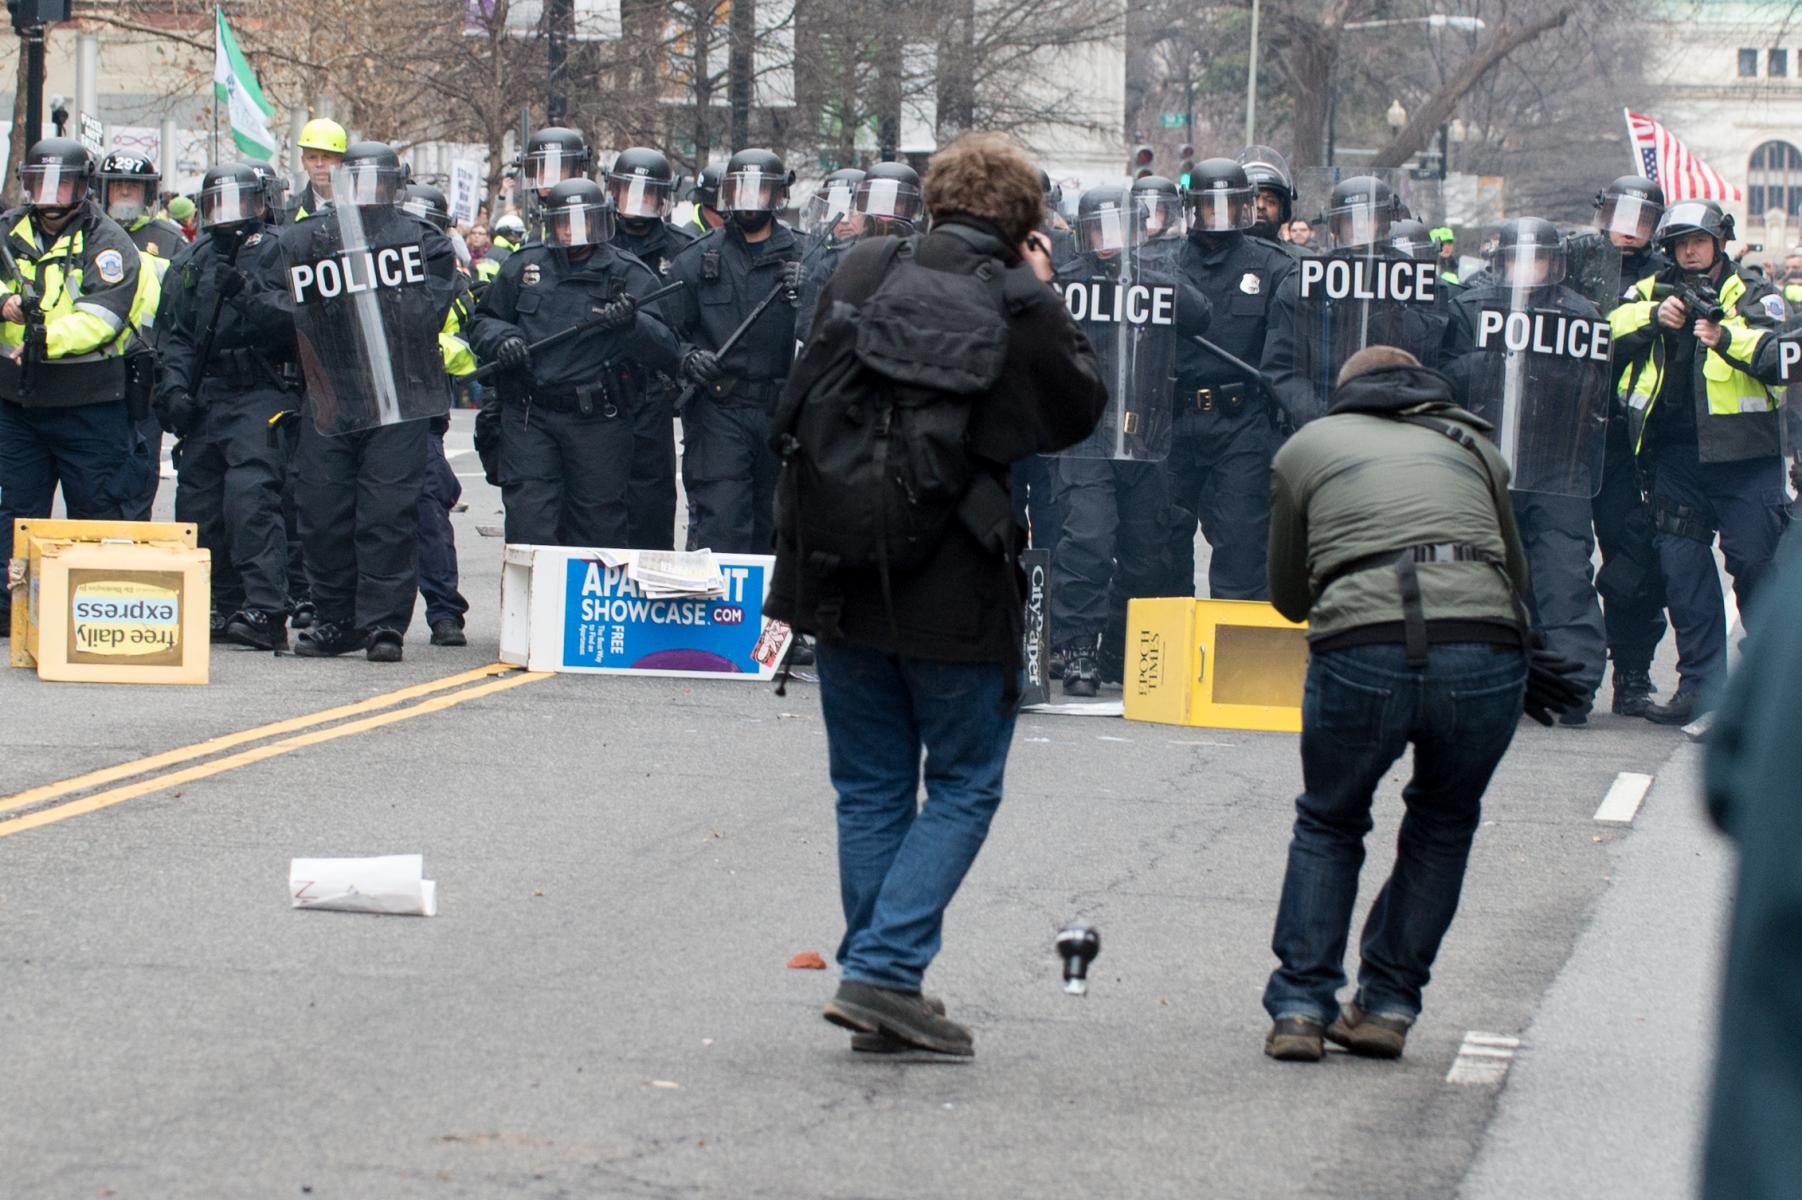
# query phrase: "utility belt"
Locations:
[[616, 390], [58, 383], [248, 367], [1214, 397], [1403, 562], [735, 390]]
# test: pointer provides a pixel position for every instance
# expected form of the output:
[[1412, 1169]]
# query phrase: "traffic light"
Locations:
[[1142, 158], [1186, 172]]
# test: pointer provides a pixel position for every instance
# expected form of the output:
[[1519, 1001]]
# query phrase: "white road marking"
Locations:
[[1483, 1058], [1622, 802], [1105, 738]]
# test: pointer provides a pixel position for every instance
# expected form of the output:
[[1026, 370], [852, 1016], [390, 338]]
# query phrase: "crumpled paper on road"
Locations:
[[389, 884]]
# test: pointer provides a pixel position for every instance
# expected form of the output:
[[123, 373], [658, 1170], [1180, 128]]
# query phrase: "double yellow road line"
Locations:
[[52, 803]]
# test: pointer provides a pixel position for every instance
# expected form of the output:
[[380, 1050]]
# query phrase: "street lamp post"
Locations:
[[1251, 84]]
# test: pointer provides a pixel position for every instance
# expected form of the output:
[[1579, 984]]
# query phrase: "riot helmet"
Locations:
[[641, 183], [275, 186], [372, 176], [830, 206], [1160, 206], [1360, 212], [1629, 209], [55, 176], [754, 188], [1220, 197], [1269, 171], [1687, 217], [231, 195], [1528, 254], [551, 156], [1106, 221], [890, 195], [577, 213], [1414, 239], [128, 185], [706, 190], [1054, 195], [428, 204]]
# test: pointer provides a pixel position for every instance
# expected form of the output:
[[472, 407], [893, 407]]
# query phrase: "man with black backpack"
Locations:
[[935, 363]]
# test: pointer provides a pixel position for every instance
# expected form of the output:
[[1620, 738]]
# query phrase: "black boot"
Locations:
[[258, 629], [304, 613], [1632, 691], [1082, 671], [328, 639], [1681, 709], [384, 646]]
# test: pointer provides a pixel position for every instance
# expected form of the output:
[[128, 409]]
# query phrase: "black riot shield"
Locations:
[[1535, 361], [366, 318], [1124, 299]]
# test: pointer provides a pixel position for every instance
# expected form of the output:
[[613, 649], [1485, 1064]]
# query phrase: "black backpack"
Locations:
[[874, 461]]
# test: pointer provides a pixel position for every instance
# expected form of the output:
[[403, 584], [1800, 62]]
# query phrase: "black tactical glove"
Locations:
[[178, 412], [1550, 688], [620, 314], [488, 441], [513, 354], [230, 280], [702, 366], [793, 276]]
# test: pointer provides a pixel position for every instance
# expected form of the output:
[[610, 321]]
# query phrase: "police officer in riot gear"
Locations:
[[1269, 173], [1160, 205], [642, 185], [1114, 503], [1693, 347], [830, 224], [566, 445], [1552, 406], [551, 155], [275, 191], [728, 469], [1630, 581], [445, 605], [230, 472], [359, 487], [65, 334], [888, 200], [128, 190], [1226, 431], [706, 197]]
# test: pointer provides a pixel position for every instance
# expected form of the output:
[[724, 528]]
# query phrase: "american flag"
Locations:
[[1661, 156]]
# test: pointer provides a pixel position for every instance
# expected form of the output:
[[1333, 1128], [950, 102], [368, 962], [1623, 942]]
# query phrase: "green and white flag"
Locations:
[[235, 85]]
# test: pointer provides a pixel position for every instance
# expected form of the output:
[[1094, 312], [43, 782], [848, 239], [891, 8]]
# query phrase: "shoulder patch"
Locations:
[[111, 265], [1773, 306]]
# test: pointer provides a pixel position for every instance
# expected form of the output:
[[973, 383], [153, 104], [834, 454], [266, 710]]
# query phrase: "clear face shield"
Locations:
[[1362, 221], [750, 190], [828, 209], [548, 166], [1163, 215], [1526, 268], [639, 196], [578, 225], [890, 198], [1631, 217], [426, 212], [1222, 210], [1418, 246], [48, 185], [230, 202], [125, 200], [1108, 231], [365, 184]]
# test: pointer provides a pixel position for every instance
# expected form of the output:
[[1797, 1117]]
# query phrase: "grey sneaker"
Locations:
[[1372, 1035], [1295, 1039], [903, 1016]]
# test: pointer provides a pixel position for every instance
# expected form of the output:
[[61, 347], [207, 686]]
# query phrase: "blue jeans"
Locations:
[[900, 862], [1361, 707]]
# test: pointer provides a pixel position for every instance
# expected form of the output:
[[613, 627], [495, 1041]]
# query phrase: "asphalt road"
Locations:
[[603, 1008]]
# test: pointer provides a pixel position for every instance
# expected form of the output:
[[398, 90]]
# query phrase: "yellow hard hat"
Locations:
[[323, 133]]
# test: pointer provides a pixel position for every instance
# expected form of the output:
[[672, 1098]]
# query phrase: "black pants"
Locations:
[[1114, 547], [138, 508], [1554, 531], [93, 452], [230, 483], [651, 496], [1630, 583], [1220, 475], [564, 476], [359, 521], [437, 541], [730, 473], [1035, 509]]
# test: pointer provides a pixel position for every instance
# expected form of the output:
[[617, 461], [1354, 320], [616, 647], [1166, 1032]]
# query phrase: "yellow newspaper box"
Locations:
[[1222, 664], [110, 601]]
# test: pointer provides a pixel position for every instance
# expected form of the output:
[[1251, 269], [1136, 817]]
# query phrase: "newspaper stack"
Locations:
[[668, 573]]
